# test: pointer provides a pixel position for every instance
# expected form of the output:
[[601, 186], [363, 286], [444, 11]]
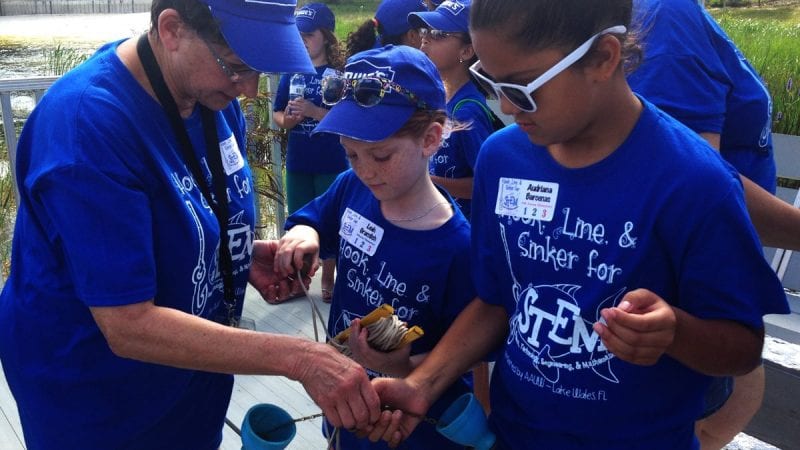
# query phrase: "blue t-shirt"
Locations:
[[694, 72], [423, 275], [555, 245], [456, 157], [307, 153], [109, 215]]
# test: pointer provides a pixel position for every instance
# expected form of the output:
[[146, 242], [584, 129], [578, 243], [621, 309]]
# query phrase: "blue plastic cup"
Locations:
[[464, 422], [267, 427]]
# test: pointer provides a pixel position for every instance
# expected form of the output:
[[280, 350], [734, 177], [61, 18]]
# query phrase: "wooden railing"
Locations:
[[8, 88]]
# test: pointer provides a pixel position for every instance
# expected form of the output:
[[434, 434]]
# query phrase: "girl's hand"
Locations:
[[640, 329], [396, 363], [295, 248], [297, 108]]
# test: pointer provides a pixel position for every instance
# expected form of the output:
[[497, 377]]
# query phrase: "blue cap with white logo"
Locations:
[[451, 16], [314, 16], [404, 67], [262, 33]]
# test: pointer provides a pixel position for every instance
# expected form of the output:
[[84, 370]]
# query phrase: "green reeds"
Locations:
[[769, 38]]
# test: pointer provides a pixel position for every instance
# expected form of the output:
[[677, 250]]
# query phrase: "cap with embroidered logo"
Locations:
[[405, 67], [392, 15], [262, 33], [315, 16], [450, 16]]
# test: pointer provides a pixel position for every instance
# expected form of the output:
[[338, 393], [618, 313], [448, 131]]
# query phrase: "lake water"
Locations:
[[24, 40]]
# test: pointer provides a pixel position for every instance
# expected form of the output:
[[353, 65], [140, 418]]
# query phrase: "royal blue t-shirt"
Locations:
[[306, 152], [423, 275], [555, 245], [109, 215], [694, 72], [456, 157]]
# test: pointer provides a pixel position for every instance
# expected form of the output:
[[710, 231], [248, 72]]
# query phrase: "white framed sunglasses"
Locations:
[[519, 95]]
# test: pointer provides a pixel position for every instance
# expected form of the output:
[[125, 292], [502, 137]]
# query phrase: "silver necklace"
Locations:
[[411, 219]]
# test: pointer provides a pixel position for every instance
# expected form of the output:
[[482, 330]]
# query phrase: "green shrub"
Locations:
[[769, 40]]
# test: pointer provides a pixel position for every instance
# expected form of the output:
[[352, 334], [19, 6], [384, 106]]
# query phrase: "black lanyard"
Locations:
[[214, 158]]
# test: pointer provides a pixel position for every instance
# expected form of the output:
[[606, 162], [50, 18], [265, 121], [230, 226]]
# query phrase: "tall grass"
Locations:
[[770, 39], [60, 59]]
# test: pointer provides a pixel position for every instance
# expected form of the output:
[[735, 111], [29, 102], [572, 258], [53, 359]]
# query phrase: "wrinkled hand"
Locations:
[[263, 277], [339, 386], [395, 363], [298, 249], [640, 329], [404, 408]]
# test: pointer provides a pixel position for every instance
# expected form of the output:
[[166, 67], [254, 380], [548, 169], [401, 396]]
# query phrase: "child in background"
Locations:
[[399, 240], [388, 27], [312, 161], [609, 244], [446, 41]]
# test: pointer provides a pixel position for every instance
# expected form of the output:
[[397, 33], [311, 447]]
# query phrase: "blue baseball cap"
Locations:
[[314, 16], [450, 16], [404, 66], [263, 34], [392, 15]]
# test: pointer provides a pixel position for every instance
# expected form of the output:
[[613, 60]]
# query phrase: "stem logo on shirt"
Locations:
[[550, 329]]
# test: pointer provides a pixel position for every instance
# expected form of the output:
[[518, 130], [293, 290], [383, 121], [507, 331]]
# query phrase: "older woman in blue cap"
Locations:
[[134, 242], [312, 162], [399, 239], [388, 27]]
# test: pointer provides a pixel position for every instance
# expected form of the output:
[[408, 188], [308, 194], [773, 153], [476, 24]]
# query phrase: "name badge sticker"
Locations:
[[360, 232], [526, 199], [231, 156]]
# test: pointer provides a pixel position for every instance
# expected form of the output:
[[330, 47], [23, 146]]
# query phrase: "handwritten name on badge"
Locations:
[[360, 232], [231, 156], [526, 199]]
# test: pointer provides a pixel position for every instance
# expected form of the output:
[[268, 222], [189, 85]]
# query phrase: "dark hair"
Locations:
[[333, 51], [537, 25], [194, 13], [366, 36], [416, 125]]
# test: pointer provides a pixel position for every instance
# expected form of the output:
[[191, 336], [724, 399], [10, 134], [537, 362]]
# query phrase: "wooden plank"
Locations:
[[10, 427], [291, 318]]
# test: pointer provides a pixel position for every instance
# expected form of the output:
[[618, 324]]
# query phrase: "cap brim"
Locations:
[[274, 47], [306, 26], [434, 21], [373, 124]]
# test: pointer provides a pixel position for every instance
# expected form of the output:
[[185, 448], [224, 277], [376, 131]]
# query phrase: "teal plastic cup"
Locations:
[[464, 422], [267, 427]]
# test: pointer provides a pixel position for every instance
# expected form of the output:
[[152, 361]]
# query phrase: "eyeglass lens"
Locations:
[[516, 96], [366, 91]]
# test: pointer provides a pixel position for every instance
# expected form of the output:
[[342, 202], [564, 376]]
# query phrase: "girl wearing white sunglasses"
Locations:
[[598, 228]]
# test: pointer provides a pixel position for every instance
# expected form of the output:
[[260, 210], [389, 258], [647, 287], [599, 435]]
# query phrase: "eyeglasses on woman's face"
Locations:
[[235, 74], [435, 35], [519, 95], [367, 91]]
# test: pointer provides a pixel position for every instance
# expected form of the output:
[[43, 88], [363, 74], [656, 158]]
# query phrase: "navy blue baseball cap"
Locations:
[[263, 34], [451, 16], [392, 15], [315, 16], [402, 65]]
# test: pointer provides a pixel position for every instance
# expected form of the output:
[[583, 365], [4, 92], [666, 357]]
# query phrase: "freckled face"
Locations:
[[390, 168]]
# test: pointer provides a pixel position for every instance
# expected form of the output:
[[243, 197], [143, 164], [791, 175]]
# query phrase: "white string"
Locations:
[[385, 335]]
